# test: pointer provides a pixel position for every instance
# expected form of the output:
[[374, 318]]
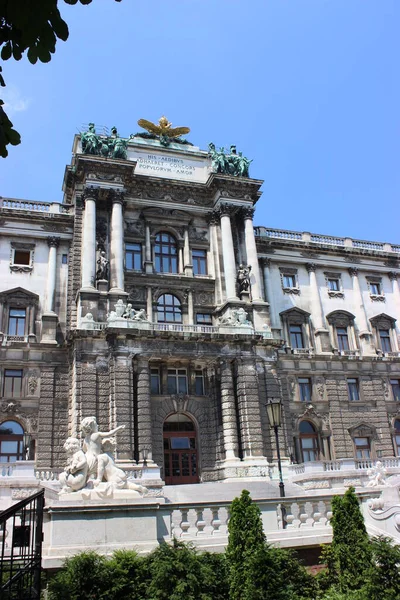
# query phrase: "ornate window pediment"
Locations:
[[376, 292], [334, 284], [19, 297], [289, 280], [383, 321], [340, 318], [362, 430], [295, 316]]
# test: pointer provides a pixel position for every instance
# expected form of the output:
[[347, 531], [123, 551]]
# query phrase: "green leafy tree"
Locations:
[[258, 571], [127, 576], [176, 572], [384, 583], [31, 26], [349, 557], [85, 576]]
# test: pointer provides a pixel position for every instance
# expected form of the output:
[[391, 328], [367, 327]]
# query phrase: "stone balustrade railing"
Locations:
[[345, 465], [324, 240], [36, 207]]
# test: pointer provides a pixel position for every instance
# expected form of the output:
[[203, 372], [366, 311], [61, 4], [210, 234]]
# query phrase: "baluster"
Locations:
[[215, 521], [184, 524], [200, 522]]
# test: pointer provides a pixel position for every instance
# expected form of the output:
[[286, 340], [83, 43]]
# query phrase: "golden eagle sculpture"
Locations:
[[163, 130]]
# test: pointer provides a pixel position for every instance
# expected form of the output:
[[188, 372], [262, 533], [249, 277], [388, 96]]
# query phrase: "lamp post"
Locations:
[[26, 440], [274, 412]]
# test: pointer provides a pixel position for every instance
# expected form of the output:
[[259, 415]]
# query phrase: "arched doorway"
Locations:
[[180, 450], [11, 441]]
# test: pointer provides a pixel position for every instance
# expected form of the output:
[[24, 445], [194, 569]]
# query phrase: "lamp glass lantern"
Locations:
[[26, 440], [274, 412]]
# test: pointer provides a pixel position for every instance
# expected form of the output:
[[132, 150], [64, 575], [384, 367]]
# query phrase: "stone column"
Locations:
[[148, 263], [317, 314], [361, 315], [53, 243], [396, 295], [144, 410], [228, 252], [251, 251], [187, 262], [213, 219], [229, 415], [117, 243], [149, 303], [89, 242], [249, 410], [190, 307], [274, 317]]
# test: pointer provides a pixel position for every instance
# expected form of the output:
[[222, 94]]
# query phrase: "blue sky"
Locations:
[[307, 88]]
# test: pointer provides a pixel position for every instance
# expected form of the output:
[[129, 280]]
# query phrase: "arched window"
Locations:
[[166, 253], [11, 442], [308, 441], [169, 309], [396, 437], [180, 450]]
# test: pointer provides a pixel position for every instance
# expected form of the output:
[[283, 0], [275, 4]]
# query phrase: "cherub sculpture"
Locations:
[[74, 476], [92, 445]]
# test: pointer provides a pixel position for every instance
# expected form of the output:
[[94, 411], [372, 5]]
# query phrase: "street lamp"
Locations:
[[26, 440], [274, 412]]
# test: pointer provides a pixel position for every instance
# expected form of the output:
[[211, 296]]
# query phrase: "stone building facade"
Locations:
[[149, 299]]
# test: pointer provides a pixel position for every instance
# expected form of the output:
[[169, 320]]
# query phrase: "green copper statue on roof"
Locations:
[[229, 164], [110, 146]]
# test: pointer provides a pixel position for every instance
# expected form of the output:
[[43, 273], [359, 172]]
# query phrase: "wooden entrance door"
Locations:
[[180, 451]]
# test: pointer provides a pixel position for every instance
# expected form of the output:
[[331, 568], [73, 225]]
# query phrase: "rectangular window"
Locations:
[[395, 385], [296, 336], [353, 390], [397, 442], [64, 259], [177, 381], [289, 281], [203, 319], [375, 288], [363, 448], [155, 381], [12, 383], [133, 257], [305, 389], [22, 257], [334, 285], [342, 338], [199, 383], [16, 321], [199, 258], [384, 336]]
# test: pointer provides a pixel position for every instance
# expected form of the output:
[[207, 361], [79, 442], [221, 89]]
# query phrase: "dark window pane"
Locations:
[[333, 285], [384, 335], [180, 443], [305, 389], [395, 384], [165, 254], [352, 385], [296, 336], [22, 257]]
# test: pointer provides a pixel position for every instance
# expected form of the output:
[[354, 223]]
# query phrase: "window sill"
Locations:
[[377, 297], [21, 269], [291, 290]]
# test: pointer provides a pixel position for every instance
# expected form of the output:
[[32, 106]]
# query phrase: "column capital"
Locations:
[[213, 217], [264, 261], [393, 275], [53, 241], [116, 196], [226, 210], [247, 212], [311, 267], [90, 194], [353, 271]]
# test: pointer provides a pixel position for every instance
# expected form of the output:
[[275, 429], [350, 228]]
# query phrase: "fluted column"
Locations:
[[117, 243], [144, 410], [359, 303], [228, 409], [53, 243], [316, 304], [228, 252], [251, 251], [89, 241]]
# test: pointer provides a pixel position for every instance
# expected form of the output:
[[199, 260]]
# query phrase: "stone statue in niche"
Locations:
[[237, 318], [243, 278], [93, 467], [103, 263]]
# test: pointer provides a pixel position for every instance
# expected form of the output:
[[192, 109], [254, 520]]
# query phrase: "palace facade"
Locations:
[[149, 299]]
